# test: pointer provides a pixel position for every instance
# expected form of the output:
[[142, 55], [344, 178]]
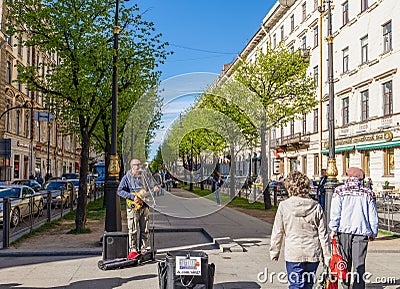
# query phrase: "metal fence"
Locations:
[[389, 213], [22, 215]]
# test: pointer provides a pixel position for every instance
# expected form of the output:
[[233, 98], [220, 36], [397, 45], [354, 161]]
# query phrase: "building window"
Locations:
[[316, 164], [387, 37], [345, 53], [365, 162], [304, 122], [292, 23], [345, 110], [282, 32], [9, 39], [274, 41], [304, 11], [8, 72], [316, 4], [26, 124], [19, 85], [18, 123], [387, 98], [388, 162], [364, 49], [304, 43], [20, 46], [304, 164], [345, 9], [345, 163], [364, 105], [28, 54], [16, 167], [316, 36], [316, 75], [364, 5], [292, 128], [8, 118], [315, 124]]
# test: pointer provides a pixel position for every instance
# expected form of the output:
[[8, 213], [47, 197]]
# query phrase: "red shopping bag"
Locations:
[[331, 285], [338, 266]]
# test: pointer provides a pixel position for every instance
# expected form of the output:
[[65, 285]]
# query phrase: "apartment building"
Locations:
[[365, 61], [31, 141]]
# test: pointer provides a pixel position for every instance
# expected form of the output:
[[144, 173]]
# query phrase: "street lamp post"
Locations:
[[113, 213], [331, 170]]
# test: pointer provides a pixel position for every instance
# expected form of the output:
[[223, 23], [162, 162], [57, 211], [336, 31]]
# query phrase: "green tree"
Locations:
[[280, 90], [78, 33]]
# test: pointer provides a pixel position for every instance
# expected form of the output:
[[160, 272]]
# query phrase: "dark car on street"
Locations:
[[280, 188], [30, 183], [63, 193]]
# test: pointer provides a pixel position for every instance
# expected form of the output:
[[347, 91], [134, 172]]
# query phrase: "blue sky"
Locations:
[[204, 35]]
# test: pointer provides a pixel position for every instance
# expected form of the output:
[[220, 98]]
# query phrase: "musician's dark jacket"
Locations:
[[129, 184]]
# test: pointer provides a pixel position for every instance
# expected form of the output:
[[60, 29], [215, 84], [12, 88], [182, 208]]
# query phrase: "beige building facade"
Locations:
[[31, 140], [366, 81]]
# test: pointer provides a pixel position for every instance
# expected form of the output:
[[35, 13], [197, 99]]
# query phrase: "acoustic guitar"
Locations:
[[137, 203]]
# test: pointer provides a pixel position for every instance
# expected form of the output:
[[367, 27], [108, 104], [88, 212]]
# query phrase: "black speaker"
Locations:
[[115, 245]]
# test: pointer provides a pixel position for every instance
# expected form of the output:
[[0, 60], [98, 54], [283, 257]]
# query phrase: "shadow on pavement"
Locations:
[[8, 262], [104, 283], [237, 285]]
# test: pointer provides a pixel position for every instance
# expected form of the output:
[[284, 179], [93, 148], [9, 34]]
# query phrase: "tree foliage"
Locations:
[[77, 36]]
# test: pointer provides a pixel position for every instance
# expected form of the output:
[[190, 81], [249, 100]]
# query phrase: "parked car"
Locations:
[[20, 197], [75, 182], [30, 183], [61, 193], [314, 189], [280, 188], [69, 176]]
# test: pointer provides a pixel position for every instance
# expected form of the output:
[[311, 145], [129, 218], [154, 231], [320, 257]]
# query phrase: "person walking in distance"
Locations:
[[134, 188], [353, 222], [321, 189], [300, 222], [216, 186]]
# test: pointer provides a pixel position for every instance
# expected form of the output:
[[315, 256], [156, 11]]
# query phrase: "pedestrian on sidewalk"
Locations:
[[300, 222], [137, 212], [216, 186], [321, 189], [354, 222]]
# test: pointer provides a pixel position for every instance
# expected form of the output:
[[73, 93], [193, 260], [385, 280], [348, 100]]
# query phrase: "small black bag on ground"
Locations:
[[168, 279]]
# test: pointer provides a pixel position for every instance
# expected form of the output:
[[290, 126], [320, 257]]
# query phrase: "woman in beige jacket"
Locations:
[[300, 222]]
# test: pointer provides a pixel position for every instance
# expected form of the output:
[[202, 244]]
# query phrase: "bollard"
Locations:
[[48, 207], [275, 196], [6, 222]]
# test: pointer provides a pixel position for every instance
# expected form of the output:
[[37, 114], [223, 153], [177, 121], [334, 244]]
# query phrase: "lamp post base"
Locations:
[[330, 185], [113, 207]]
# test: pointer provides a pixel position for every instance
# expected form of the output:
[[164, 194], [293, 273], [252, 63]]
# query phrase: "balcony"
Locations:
[[291, 142]]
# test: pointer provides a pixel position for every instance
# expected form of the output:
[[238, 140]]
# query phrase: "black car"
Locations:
[[69, 176], [30, 183]]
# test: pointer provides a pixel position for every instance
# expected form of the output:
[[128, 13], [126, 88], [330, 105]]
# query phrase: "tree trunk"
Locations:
[[232, 172], [264, 165], [80, 219]]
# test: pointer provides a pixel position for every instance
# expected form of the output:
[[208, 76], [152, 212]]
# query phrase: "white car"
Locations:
[[20, 197]]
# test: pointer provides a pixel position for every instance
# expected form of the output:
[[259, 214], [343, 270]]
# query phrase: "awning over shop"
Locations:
[[339, 150], [380, 145]]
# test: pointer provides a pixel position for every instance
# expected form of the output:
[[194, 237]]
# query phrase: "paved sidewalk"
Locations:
[[243, 264]]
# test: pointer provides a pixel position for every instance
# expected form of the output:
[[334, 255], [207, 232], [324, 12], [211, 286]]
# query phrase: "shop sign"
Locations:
[[381, 136], [21, 144]]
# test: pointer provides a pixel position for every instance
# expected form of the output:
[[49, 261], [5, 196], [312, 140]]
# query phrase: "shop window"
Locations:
[[389, 162], [366, 162], [16, 167], [316, 164], [345, 163]]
